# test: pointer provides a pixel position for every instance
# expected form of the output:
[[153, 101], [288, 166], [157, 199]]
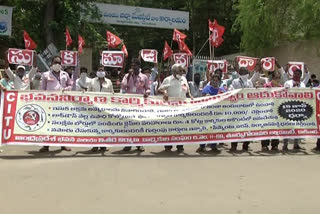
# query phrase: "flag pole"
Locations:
[[171, 49], [202, 48], [212, 52], [210, 45]]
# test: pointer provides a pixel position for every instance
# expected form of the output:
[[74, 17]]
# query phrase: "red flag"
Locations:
[[216, 42], [184, 48], [68, 38], [125, 51], [217, 32], [211, 26], [81, 43], [167, 52], [113, 40], [28, 42], [177, 36]]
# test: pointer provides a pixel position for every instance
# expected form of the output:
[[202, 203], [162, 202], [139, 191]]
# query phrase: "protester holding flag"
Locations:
[[55, 80], [261, 76], [175, 86], [135, 82], [306, 72], [21, 79]]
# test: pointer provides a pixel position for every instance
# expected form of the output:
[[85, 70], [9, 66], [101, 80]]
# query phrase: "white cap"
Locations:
[[21, 66]]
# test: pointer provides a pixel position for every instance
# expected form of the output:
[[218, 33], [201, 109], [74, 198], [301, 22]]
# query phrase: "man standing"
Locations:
[[295, 82], [135, 82], [36, 82], [242, 82], [152, 75], [100, 84], [212, 89], [84, 82], [21, 80], [196, 86], [175, 86], [55, 80]]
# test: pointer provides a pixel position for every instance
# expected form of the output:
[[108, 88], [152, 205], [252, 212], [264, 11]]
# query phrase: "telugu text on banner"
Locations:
[[97, 119], [142, 16]]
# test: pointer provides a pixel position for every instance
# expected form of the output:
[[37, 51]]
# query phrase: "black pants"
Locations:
[[318, 143], [266, 143], [245, 144], [170, 147], [212, 145]]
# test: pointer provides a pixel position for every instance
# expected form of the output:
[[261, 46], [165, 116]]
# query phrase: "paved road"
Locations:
[[156, 182]]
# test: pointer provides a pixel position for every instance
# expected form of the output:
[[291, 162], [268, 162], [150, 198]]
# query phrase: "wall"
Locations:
[[86, 59], [302, 51]]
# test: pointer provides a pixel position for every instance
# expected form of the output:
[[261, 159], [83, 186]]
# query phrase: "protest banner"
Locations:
[[69, 58], [217, 64], [182, 59], [97, 119], [112, 59], [149, 55], [292, 66], [20, 56], [46, 57], [247, 62], [268, 63]]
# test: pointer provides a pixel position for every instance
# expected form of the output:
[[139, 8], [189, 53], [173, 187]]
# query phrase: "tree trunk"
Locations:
[[194, 33], [49, 17]]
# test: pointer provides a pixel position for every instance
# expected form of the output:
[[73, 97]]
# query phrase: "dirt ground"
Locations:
[[158, 182]]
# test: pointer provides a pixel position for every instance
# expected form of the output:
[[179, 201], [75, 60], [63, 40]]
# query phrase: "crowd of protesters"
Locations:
[[170, 82]]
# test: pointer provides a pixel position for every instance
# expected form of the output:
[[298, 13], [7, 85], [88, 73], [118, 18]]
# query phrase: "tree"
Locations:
[[268, 23], [45, 21]]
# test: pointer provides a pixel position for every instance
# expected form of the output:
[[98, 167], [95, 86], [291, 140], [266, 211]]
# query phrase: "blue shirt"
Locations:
[[213, 91]]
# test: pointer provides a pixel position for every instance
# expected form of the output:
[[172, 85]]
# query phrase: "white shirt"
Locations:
[[195, 89], [292, 83], [284, 77], [24, 83], [105, 87], [81, 84], [239, 83], [175, 88]]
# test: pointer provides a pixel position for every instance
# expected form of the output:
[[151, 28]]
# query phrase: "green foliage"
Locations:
[[267, 23], [30, 15]]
